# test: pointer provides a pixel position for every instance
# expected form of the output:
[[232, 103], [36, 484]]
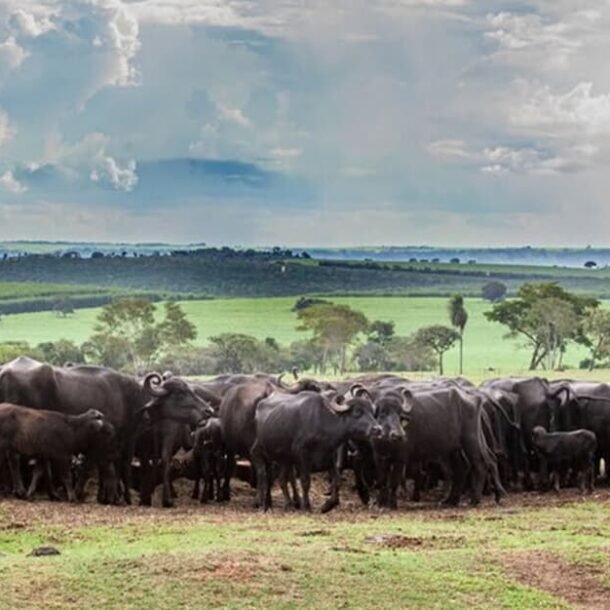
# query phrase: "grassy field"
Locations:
[[533, 552], [485, 347]]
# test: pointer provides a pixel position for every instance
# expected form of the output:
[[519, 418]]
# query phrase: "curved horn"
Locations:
[[355, 387], [289, 388], [295, 373], [156, 389], [358, 390], [407, 407], [167, 375], [339, 407]]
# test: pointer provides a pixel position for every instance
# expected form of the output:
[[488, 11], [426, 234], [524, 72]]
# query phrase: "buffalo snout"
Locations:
[[396, 435], [376, 432]]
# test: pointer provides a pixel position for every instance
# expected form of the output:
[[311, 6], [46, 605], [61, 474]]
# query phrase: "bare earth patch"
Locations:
[[398, 541], [237, 567], [577, 584]]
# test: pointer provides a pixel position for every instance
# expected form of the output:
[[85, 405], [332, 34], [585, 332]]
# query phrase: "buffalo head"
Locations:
[[172, 398]]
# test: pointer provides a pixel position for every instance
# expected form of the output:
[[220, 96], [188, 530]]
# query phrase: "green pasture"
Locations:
[[547, 555], [485, 347]]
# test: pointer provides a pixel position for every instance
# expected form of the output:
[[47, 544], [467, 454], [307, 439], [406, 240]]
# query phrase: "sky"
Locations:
[[311, 123]]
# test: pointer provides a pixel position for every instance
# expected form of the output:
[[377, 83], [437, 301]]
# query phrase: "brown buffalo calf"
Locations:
[[47, 435]]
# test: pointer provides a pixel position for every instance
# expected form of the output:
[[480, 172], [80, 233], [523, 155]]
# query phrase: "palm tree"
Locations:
[[458, 317]]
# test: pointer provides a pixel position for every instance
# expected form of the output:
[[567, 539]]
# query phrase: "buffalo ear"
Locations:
[[407, 397], [339, 399]]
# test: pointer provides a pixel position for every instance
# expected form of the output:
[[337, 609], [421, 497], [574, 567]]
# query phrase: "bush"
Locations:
[[494, 291]]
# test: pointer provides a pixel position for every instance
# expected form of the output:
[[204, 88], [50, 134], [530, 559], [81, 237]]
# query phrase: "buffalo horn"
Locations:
[[157, 389], [339, 407], [357, 389]]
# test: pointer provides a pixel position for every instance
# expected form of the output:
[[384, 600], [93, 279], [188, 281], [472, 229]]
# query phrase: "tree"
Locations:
[[590, 264], [380, 332], [176, 329], [305, 355], [127, 332], [334, 329], [438, 338], [305, 302], [406, 354], [372, 356], [61, 351], [494, 291], [13, 349], [547, 316], [555, 322], [458, 316], [596, 328], [64, 307], [239, 353]]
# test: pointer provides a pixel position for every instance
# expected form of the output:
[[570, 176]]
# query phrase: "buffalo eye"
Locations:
[[357, 411]]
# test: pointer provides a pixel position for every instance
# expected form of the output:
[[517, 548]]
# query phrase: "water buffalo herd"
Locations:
[[60, 426]]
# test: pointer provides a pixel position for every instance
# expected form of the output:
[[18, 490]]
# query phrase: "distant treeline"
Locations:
[[224, 272]]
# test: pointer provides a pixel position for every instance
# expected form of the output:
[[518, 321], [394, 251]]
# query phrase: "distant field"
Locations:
[[485, 348], [16, 297]]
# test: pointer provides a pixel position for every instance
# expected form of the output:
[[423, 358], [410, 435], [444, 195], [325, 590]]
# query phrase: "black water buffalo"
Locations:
[[589, 408], [560, 451], [46, 435], [392, 413], [303, 432], [121, 398], [445, 426], [237, 415], [172, 401], [210, 453], [538, 404]]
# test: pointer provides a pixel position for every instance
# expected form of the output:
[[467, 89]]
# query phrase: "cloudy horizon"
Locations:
[[258, 122]]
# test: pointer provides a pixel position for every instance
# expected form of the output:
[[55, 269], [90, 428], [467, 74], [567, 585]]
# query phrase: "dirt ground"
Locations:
[[533, 519]]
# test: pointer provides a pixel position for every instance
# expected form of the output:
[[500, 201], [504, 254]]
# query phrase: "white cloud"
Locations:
[[115, 40], [121, 178], [556, 114], [525, 37], [234, 115], [90, 155], [11, 184], [450, 149], [504, 160], [279, 17], [7, 131], [32, 24], [11, 55]]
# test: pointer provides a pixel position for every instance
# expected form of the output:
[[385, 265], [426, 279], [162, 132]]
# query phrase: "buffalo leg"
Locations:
[[83, 473], [14, 464], [333, 500], [230, 470], [454, 475], [65, 475], [37, 474], [394, 482], [168, 495], [382, 481], [296, 497], [305, 478], [284, 476], [262, 471], [474, 454]]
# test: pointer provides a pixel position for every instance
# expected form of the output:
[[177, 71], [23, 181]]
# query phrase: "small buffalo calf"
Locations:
[[210, 452], [559, 451], [47, 435]]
